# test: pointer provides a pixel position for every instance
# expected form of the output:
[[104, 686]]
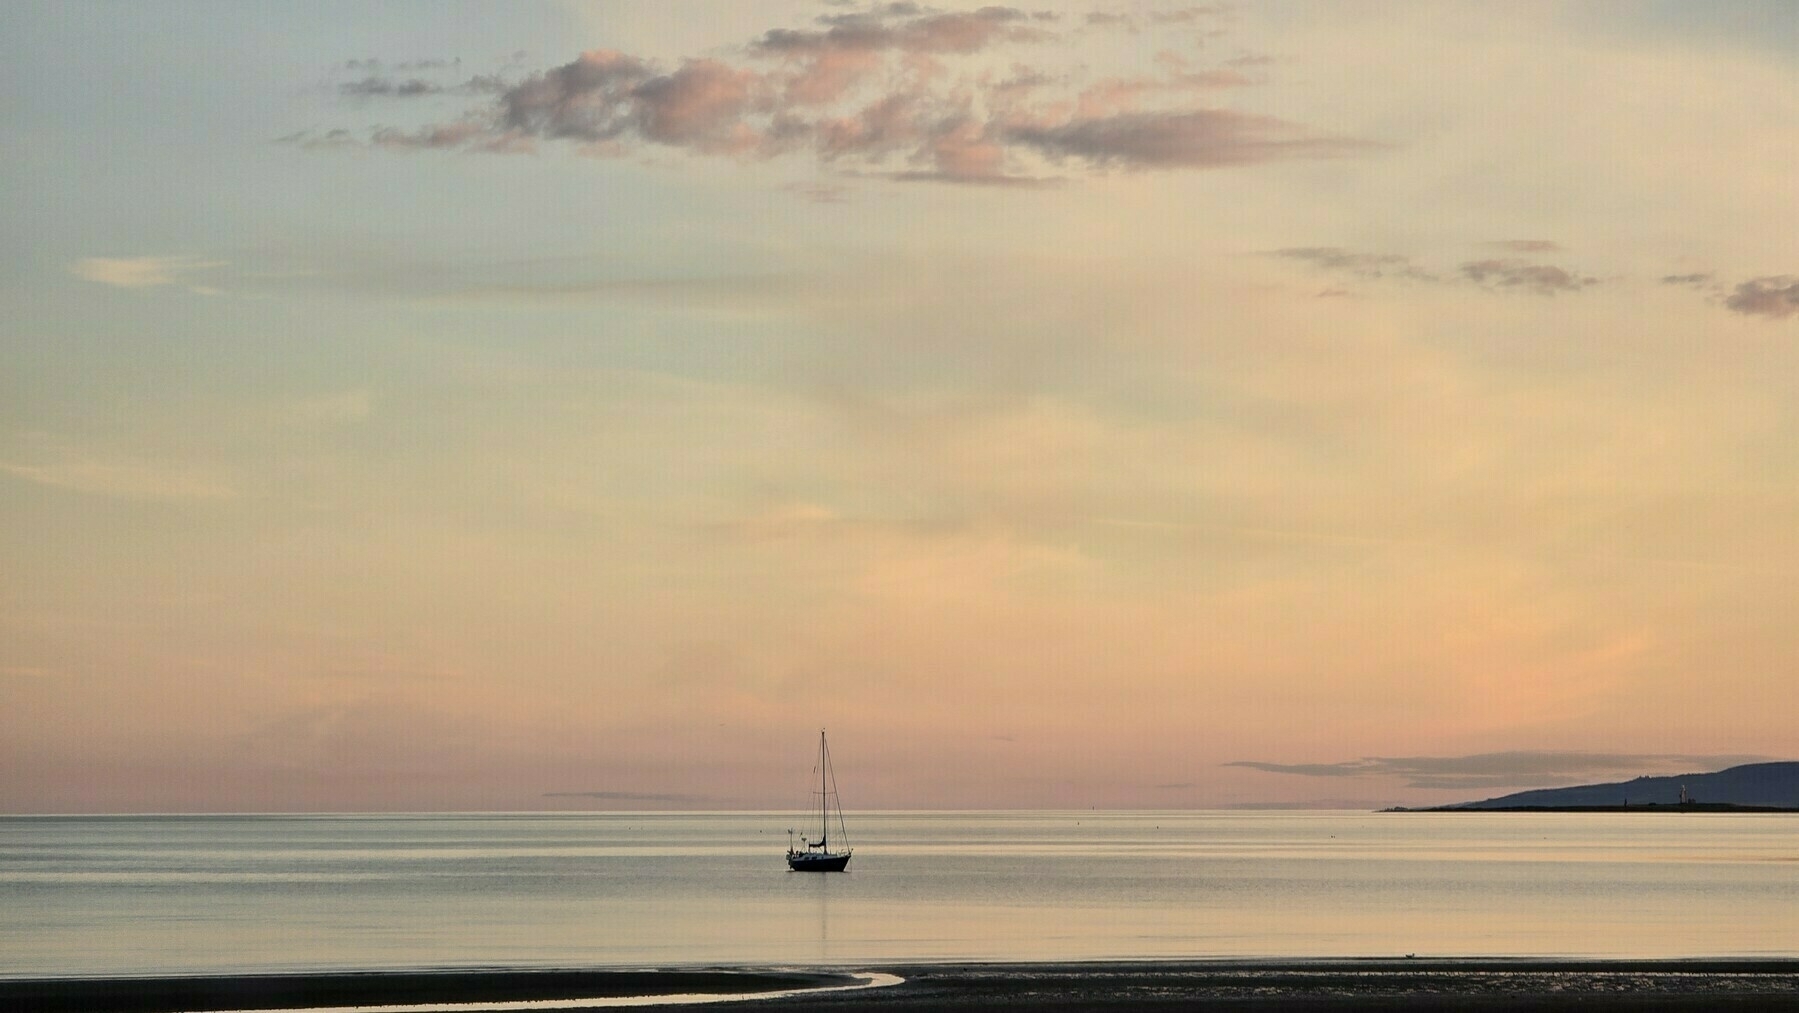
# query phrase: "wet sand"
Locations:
[[1405, 984]]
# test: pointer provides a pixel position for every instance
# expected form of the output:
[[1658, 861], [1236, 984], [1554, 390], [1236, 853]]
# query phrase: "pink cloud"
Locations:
[[828, 76], [890, 84], [700, 106]]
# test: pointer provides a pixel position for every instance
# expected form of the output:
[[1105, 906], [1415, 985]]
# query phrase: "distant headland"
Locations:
[[1752, 787]]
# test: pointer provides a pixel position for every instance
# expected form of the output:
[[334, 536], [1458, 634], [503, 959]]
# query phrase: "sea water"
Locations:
[[89, 895]]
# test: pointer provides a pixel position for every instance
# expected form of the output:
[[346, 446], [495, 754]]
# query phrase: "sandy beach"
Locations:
[[1429, 984]]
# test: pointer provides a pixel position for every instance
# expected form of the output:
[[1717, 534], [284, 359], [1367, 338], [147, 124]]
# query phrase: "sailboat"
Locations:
[[817, 856]]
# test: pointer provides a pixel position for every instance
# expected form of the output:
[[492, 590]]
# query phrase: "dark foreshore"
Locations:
[[1334, 985], [1639, 809], [369, 988], [1383, 984]]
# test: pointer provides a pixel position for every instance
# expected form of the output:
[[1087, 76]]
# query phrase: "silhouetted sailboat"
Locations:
[[817, 856]]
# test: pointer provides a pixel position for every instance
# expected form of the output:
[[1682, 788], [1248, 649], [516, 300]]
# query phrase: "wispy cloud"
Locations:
[[377, 86], [376, 79], [906, 27], [1526, 245], [1696, 278], [1192, 139], [1505, 769], [141, 272], [99, 470], [1775, 297], [1498, 274], [1134, 23], [1362, 265], [336, 137], [375, 65], [124, 479], [897, 89], [1543, 279]]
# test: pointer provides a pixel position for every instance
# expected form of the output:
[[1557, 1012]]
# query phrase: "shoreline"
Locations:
[[1495, 983]]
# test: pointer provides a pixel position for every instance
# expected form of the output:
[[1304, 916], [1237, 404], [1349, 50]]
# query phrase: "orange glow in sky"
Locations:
[[578, 406]]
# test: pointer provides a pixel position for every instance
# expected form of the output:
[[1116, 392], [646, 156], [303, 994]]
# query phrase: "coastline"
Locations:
[[1070, 987]]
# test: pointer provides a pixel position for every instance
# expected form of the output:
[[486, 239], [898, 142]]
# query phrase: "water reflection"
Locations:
[[124, 895]]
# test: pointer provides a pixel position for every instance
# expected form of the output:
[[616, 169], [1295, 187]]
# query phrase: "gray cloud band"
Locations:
[[1497, 770], [1777, 297]]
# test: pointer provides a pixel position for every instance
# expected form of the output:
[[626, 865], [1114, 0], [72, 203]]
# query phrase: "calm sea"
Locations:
[[103, 895]]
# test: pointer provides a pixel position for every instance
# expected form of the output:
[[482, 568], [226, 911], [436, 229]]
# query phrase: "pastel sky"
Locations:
[[578, 405]]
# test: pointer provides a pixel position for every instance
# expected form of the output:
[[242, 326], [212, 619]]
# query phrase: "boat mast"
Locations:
[[824, 801], [826, 794]]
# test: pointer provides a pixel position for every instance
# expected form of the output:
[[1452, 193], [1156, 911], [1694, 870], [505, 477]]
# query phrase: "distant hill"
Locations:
[[1752, 784]]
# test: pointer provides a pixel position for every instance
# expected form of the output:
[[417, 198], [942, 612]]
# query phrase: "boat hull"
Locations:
[[815, 862]]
